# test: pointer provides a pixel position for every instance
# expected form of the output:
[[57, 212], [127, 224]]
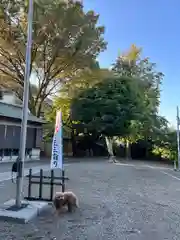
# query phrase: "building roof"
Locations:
[[15, 111]]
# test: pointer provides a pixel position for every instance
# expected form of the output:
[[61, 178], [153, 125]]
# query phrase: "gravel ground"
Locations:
[[116, 202], [6, 167]]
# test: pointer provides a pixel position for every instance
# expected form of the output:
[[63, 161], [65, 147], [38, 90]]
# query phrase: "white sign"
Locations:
[[57, 149]]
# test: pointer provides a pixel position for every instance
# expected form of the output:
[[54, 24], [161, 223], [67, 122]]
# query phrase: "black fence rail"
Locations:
[[42, 180]]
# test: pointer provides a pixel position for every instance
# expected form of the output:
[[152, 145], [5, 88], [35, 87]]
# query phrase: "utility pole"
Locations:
[[20, 160], [178, 147]]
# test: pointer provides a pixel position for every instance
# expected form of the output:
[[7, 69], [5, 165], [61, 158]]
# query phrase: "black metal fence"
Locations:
[[43, 180]]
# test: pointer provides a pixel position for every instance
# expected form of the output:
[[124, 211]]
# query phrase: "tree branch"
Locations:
[[7, 56], [9, 74]]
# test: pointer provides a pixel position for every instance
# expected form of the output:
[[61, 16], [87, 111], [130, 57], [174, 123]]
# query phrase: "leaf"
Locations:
[[107, 110], [66, 40]]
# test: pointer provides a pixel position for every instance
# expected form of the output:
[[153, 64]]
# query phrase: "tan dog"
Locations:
[[63, 199]]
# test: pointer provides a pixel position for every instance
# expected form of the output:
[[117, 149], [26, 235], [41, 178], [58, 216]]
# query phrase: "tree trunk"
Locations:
[[128, 150], [109, 143]]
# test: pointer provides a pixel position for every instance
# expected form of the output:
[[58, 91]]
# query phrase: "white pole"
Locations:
[[20, 174], [178, 147]]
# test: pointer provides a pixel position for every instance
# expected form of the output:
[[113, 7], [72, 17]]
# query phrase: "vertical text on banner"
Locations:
[[57, 150]]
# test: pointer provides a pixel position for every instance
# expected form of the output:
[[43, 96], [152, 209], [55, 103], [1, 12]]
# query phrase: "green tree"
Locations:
[[166, 145], [66, 41], [164, 139], [83, 81], [108, 108], [133, 65], [64, 98], [71, 90]]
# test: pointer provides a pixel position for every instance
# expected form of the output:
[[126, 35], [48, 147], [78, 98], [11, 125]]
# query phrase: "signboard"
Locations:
[[57, 149]]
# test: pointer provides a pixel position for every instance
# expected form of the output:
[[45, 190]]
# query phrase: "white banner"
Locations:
[[57, 148]]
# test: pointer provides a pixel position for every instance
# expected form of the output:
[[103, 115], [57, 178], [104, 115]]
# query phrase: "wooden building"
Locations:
[[10, 129]]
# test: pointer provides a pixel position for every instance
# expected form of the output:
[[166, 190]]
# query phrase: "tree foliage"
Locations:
[[130, 63], [109, 106], [71, 89], [164, 139], [66, 40], [165, 145]]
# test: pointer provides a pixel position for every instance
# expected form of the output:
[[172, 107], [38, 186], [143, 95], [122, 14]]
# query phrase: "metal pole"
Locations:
[[20, 173], [178, 147]]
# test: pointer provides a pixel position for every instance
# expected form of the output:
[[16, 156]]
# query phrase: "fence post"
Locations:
[[63, 181], [52, 185], [41, 183], [29, 185]]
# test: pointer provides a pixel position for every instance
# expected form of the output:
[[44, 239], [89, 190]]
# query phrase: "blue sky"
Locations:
[[153, 25]]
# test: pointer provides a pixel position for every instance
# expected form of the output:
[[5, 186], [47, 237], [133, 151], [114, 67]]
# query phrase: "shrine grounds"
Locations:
[[133, 201]]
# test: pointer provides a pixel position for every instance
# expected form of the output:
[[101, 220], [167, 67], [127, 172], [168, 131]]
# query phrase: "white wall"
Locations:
[[10, 98]]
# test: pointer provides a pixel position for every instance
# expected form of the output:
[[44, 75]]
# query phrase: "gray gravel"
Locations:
[[6, 167], [116, 202]]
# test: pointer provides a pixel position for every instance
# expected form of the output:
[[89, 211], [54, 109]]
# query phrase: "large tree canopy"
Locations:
[[132, 64], [71, 89], [66, 40], [108, 107]]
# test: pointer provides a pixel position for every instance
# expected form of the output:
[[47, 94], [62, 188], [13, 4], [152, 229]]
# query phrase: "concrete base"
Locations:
[[23, 215]]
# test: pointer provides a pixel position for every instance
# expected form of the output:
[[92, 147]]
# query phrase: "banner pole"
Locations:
[[20, 159]]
